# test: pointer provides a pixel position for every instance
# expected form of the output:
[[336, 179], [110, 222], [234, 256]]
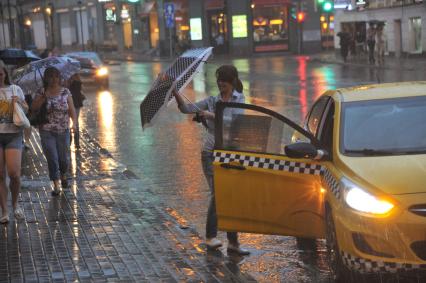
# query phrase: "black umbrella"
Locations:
[[177, 76], [14, 56]]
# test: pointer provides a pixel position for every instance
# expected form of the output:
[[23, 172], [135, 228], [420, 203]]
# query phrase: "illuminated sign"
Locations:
[[110, 15], [239, 26], [196, 30]]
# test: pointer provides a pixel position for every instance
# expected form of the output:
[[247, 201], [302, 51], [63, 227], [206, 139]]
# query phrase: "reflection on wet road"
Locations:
[[168, 154]]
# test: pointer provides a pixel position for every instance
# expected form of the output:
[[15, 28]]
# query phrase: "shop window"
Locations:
[[416, 34], [270, 26]]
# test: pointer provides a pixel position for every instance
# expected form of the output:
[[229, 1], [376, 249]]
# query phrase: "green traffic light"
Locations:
[[320, 1], [327, 6]]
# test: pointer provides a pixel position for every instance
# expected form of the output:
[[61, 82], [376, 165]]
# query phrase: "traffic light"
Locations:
[[293, 12], [327, 6], [301, 17]]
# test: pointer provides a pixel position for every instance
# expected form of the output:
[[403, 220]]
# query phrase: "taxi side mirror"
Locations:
[[303, 150]]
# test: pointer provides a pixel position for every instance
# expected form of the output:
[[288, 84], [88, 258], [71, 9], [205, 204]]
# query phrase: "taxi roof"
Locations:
[[379, 91]]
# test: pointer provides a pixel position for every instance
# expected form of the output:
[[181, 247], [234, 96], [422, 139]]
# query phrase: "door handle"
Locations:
[[232, 166]]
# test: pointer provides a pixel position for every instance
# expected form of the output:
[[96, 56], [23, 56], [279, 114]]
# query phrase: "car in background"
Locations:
[[92, 68], [354, 174]]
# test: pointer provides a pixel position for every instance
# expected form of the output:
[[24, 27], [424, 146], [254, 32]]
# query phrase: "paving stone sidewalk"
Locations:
[[108, 226]]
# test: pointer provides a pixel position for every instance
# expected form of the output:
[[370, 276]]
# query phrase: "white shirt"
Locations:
[[6, 108]]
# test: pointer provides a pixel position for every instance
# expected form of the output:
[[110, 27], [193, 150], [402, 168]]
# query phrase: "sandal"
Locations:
[[56, 192], [18, 212], [4, 219]]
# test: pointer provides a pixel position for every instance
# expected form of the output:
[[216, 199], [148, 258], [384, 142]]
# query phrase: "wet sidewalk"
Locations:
[[108, 226], [405, 62]]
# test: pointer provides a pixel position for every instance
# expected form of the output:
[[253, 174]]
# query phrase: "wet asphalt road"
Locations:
[[167, 154]]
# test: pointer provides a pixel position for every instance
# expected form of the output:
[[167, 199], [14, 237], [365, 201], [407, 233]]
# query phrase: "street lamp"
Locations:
[[81, 25], [49, 12]]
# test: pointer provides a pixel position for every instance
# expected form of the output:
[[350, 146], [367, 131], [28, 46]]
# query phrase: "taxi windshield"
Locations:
[[384, 127]]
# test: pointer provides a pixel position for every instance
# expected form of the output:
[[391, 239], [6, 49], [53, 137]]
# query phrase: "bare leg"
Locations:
[[13, 165], [3, 188]]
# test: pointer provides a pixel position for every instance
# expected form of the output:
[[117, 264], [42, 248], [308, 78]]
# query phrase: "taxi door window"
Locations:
[[316, 115], [255, 131]]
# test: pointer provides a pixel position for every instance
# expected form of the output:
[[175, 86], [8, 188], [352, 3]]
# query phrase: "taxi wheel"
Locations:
[[339, 272]]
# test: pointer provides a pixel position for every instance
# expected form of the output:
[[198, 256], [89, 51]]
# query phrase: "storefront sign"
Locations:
[[239, 26], [214, 4], [196, 31], [110, 15], [271, 2]]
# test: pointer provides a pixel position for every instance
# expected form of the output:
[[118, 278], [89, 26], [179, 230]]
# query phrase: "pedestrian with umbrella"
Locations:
[[55, 134], [230, 90], [10, 145]]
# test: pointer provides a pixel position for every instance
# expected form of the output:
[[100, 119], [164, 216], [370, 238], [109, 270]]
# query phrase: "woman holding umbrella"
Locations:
[[230, 90], [55, 134], [10, 145]]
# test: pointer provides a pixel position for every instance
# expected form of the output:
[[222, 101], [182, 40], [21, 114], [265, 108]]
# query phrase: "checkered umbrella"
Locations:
[[30, 76], [178, 75]]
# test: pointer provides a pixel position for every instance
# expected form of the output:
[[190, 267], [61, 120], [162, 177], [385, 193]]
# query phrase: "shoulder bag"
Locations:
[[19, 117]]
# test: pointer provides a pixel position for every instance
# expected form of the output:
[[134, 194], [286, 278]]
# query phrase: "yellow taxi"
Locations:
[[354, 173]]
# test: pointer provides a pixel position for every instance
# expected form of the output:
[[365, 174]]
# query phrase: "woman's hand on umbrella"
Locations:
[[206, 115]]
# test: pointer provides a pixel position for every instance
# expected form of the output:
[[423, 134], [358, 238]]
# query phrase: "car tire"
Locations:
[[339, 272]]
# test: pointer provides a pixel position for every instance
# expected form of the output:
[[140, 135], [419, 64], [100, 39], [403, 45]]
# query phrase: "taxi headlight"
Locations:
[[103, 71], [363, 201]]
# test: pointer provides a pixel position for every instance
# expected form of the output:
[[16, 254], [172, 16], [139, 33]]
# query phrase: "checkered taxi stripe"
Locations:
[[331, 183], [268, 163], [369, 266]]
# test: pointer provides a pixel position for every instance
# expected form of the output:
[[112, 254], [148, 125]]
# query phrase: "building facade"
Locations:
[[404, 23], [233, 27]]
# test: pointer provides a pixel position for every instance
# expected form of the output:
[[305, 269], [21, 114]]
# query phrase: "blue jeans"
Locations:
[[56, 148], [211, 224]]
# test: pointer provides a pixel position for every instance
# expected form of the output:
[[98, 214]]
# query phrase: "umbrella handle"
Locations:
[[187, 99]]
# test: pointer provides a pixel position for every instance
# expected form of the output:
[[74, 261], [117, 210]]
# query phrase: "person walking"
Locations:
[[345, 41], [75, 87], [381, 41], [55, 134], [10, 145], [230, 90], [371, 43]]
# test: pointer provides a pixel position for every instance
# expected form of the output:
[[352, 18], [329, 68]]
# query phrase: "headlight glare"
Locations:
[[102, 71], [363, 201]]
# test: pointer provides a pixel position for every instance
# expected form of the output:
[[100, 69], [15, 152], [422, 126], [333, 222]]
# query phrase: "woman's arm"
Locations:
[[71, 112], [189, 108], [18, 96], [37, 102]]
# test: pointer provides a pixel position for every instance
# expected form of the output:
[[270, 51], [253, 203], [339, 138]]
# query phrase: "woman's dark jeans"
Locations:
[[211, 224], [56, 147]]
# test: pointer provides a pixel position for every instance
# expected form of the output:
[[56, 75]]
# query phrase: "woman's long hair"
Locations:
[[229, 74], [48, 73], [6, 76]]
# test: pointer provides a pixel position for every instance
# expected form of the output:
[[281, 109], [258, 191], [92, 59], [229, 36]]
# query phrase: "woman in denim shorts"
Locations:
[[55, 134], [10, 145]]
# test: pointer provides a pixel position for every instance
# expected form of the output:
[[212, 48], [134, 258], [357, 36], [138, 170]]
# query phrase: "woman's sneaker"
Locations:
[[236, 249], [18, 212], [56, 192], [213, 243], [4, 219]]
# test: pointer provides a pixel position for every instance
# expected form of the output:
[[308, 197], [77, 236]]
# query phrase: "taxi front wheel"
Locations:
[[339, 272]]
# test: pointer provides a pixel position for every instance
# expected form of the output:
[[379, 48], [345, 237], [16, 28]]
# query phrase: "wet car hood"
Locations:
[[405, 174]]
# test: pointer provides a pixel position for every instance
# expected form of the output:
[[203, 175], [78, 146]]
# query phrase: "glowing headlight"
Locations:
[[102, 72], [360, 200]]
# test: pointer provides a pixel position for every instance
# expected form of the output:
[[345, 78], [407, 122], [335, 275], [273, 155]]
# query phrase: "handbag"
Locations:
[[19, 117], [39, 117]]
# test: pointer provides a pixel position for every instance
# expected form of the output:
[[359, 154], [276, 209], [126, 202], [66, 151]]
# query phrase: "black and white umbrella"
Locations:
[[30, 76], [177, 76]]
